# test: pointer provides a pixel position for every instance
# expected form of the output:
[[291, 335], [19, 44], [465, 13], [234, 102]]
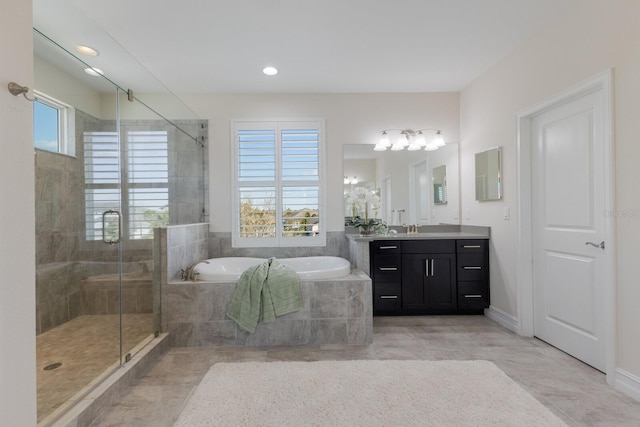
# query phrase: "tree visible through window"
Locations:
[[278, 184]]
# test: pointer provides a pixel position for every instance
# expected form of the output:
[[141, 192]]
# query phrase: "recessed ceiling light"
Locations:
[[87, 50], [270, 71], [92, 71]]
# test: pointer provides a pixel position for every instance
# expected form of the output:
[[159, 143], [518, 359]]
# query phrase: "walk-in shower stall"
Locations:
[[112, 162]]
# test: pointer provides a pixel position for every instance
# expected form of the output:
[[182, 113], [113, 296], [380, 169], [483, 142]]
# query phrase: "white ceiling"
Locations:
[[319, 46]]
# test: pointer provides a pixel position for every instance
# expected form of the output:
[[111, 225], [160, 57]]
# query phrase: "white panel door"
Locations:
[[568, 176]]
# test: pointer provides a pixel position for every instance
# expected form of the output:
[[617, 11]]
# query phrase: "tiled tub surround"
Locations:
[[334, 311]]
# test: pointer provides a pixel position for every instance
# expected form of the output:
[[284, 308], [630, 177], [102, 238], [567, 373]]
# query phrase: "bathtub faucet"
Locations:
[[188, 273]]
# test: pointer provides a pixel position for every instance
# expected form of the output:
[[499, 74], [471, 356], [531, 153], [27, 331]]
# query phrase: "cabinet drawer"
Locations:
[[386, 297], [472, 266], [428, 246], [385, 247], [473, 295], [387, 268], [471, 246]]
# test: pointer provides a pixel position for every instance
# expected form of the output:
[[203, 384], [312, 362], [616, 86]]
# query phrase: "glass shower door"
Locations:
[[77, 274]]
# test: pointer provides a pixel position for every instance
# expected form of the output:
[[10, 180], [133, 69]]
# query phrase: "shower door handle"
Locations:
[[115, 239]]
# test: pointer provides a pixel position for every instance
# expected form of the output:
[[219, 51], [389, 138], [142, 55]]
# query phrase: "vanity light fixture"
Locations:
[[410, 140]]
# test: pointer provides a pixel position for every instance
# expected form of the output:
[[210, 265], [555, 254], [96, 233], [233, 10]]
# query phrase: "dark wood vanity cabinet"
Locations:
[[429, 276], [386, 270], [473, 274]]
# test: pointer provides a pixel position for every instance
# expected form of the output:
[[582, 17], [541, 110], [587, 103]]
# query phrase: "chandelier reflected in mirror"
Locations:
[[410, 140]]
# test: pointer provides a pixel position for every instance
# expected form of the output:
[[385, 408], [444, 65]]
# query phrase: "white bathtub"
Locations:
[[229, 269]]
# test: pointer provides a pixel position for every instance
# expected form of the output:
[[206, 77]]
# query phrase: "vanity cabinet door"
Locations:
[[429, 282], [414, 282]]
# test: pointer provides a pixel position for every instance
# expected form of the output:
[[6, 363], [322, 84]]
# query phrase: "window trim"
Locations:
[[278, 125], [66, 124]]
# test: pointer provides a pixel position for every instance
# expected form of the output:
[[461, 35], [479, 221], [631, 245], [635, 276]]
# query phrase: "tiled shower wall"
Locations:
[[220, 246], [63, 257]]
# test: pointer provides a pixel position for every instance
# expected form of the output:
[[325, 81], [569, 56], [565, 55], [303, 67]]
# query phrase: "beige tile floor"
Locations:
[[574, 391], [86, 346]]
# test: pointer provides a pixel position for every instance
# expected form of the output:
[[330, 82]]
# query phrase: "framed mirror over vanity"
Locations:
[[414, 187]]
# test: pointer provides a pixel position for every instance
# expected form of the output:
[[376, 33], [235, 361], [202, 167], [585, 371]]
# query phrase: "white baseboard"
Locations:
[[508, 321], [627, 383]]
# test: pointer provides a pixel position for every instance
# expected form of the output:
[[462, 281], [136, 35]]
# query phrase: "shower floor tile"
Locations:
[[85, 346]]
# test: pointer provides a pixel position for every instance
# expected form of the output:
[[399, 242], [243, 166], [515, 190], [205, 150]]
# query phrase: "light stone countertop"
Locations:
[[419, 236]]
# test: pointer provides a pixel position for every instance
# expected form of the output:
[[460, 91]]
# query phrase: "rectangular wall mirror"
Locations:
[[406, 183], [440, 185], [489, 175]]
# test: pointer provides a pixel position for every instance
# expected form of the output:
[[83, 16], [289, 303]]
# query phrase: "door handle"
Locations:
[[116, 213], [595, 245], [428, 269]]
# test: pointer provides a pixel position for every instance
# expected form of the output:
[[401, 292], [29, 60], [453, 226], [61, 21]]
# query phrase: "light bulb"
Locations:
[[346, 180], [354, 180], [403, 141], [420, 140], [384, 139], [380, 147], [413, 147], [439, 140], [397, 147]]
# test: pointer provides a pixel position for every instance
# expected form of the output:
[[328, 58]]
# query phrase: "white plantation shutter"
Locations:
[[147, 182], [102, 177], [143, 198], [278, 188]]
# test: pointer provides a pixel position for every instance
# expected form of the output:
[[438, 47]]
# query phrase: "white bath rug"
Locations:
[[362, 393]]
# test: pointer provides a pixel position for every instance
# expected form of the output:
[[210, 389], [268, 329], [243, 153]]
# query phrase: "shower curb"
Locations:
[[95, 404]]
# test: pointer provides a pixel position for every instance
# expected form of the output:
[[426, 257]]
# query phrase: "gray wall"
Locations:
[[220, 246]]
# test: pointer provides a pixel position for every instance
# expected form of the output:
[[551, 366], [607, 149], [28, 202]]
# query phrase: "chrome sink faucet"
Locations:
[[410, 228], [188, 274]]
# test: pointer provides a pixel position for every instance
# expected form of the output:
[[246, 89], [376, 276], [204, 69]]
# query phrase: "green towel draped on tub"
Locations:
[[263, 292]]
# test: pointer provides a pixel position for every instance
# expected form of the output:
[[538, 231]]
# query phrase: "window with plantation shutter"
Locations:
[[278, 192], [147, 182], [102, 178], [143, 197]]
